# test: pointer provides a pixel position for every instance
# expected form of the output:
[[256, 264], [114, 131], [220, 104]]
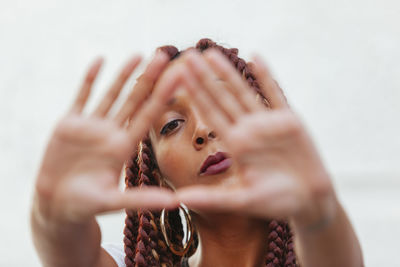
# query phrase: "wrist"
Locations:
[[316, 216]]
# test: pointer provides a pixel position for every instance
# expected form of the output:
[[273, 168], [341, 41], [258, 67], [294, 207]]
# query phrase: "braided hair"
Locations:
[[144, 243]]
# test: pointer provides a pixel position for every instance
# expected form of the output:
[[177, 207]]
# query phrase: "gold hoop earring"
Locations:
[[179, 251]]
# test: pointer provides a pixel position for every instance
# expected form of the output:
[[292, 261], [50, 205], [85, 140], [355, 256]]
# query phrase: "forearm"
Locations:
[[62, 244], [327, 241]]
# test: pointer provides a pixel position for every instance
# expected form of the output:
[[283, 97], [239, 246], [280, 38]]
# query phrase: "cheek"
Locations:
[[176, 164]]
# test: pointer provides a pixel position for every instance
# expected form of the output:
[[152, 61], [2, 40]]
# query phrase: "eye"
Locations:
[[170, 126]]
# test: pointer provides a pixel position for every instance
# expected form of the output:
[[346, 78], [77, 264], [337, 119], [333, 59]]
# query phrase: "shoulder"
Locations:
[[116, 251]]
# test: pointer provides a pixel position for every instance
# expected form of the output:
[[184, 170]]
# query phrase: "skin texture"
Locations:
[[182, 139], [277, 171]]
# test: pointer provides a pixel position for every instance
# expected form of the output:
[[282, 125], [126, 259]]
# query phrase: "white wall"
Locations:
[[337, 60]]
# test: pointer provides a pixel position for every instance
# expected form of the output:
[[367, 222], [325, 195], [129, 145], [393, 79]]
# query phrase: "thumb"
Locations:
[[140, 198]]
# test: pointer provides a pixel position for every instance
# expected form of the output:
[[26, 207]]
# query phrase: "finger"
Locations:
[[274, 127], [140, 198], [271, 198], [142, 88], [212, 198], [216, 93], [85, 89], [209, 111], [240, 88], [260, 98], [116, 88], [155, 104], [268, 86]]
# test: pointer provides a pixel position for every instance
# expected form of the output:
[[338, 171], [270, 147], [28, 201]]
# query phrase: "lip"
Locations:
[[215, 164]]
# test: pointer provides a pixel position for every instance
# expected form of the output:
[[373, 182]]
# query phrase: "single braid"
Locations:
[[131, 220], [144, 243], [289, 248], [143, 239], [277, 238]]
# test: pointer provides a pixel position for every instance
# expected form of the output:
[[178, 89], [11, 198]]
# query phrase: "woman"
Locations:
[[237, 158]]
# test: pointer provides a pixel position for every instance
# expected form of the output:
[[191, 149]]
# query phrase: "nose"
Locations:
[[202, 136]]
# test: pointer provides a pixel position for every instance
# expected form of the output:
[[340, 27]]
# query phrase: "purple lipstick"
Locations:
[[215, 164]]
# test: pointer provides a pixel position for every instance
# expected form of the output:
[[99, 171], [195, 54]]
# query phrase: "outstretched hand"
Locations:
[[281, 174], [80, 170]]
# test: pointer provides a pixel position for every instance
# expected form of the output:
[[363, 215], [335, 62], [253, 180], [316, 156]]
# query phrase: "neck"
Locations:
[[229, 240]]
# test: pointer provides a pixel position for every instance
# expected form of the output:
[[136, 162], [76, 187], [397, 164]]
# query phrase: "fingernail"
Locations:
[[161, 54], [134, 60], [259, 61], [98, 61]]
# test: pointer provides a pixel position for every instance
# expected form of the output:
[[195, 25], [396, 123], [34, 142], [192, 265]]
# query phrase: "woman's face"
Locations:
[[188, 151]]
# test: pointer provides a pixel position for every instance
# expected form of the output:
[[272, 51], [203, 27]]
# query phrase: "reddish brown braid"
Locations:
[[144, 242]]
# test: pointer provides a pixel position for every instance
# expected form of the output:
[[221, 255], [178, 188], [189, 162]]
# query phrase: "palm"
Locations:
[[84, 159], [85, 143], [80, 170], [279, 167], [277, 161]]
